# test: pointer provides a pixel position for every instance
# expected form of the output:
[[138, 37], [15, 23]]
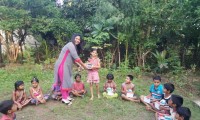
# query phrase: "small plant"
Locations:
[[161, 60], [137, 72], [193, 68], [124, 66]]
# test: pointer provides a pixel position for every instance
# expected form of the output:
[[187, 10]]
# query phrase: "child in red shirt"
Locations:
[[8, 109], [78, 89]]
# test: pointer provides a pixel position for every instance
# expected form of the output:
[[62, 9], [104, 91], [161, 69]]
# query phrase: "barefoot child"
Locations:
[[175, 102], [156, 91], [56, 92], [19, 95], [162, 105], [128, 90], [93, 75], [7, 108], [78, 88], [110, 87], [36, 92]]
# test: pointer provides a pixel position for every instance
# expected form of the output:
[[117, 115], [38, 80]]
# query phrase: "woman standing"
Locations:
[[63, 66]]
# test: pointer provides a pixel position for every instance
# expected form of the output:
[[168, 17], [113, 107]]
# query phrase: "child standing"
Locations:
[[36, 92], [19, 95], [128, 90], [110, 87], [78, 88], [7, 108], [156, 91], [93, 75], [183, 113]]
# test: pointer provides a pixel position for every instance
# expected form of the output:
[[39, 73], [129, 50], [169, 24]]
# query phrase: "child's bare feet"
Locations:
[[99, 96], [91, 98], [148, 107]]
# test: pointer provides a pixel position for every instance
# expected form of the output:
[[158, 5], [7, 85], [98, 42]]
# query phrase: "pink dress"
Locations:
[[37, 93], [93, 75]]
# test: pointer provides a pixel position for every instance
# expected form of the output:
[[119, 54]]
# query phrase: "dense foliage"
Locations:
[[158, 35]]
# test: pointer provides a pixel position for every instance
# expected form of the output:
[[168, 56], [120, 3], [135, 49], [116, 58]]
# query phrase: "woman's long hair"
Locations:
[[80, 46]]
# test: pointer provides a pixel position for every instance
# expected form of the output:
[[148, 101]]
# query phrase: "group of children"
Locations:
[[20, 99], [166, 105]]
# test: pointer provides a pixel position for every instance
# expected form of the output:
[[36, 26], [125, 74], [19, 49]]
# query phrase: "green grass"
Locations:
[[81, 109]]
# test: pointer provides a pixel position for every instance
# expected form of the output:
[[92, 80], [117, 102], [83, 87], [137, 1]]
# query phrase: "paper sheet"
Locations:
[[147, 100]]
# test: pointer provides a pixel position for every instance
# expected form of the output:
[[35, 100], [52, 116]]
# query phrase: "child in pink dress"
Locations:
[[78, 88], [93, 75], [19, 95], [8, 109], [36, 92]]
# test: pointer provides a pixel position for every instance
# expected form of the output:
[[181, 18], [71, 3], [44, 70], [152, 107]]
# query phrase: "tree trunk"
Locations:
[[22, 59], [119, 53], [182, 56], [7, 43], [144, 58], [139, 56], [1, 58], [126, 57]]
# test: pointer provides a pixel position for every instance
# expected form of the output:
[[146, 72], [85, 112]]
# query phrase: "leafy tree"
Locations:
[[14, 22]]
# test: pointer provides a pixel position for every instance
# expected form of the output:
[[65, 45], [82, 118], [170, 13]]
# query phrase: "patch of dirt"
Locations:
[[39, 112]]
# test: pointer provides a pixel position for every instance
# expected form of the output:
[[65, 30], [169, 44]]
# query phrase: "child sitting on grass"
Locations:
[[128, 90], [110, 87], [19, 95], [175, 102], [36, 92], [156, 91], [183, 113], [56, 92], [162, 105], [78, 88], [8, 109]]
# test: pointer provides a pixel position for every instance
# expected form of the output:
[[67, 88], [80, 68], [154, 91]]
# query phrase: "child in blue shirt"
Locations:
[[156, 91], [162, 105]]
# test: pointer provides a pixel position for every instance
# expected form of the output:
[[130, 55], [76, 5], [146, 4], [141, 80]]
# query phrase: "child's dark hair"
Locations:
[[5, 106], [178, 100], [77, 76], [169, 87], [130, 76], [92, 49], [157, 78], [35, 80], [110, 76], [18, 83], [184, 112]]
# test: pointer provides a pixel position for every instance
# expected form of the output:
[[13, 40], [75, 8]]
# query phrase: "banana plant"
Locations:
[[162, 61]]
